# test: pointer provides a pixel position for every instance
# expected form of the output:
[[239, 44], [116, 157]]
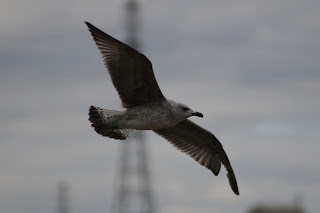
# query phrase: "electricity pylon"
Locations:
[[133, 192], [63, 197]]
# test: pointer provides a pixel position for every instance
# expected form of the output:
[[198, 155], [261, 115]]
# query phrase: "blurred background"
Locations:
[[251, 67]]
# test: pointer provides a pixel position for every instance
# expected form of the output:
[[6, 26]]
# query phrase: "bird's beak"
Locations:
[[197, 114]]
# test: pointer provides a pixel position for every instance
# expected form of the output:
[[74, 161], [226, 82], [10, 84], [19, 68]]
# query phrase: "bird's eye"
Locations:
[[185, 108]]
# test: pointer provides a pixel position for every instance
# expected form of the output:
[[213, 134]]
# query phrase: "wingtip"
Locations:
[[88, 24], [233, 183], [236, 191]]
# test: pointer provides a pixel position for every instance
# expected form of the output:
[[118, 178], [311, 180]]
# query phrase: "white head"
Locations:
[[185, 112]]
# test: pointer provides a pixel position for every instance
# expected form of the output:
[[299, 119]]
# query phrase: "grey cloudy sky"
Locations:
[[251, 67]]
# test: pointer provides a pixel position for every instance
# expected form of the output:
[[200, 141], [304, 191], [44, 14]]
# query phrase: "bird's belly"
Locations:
[[146, 124]]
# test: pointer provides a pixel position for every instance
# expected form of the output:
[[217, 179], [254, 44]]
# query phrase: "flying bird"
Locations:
[[147, 109]]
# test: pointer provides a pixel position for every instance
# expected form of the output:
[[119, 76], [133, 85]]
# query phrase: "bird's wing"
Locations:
[[130, 71], [201, 145]]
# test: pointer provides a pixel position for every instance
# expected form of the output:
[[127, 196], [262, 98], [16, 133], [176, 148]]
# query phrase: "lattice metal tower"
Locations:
[[133, 192], [63, 197]]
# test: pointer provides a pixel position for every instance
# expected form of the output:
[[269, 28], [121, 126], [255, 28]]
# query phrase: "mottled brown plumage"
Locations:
[[132, 75]]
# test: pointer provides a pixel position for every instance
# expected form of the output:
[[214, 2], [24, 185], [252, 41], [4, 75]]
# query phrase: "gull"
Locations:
[[147, 109]]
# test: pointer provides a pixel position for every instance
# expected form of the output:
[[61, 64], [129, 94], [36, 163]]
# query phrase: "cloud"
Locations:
[[251, 68]]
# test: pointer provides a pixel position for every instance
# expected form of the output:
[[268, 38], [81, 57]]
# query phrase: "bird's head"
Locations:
[[186, 112]]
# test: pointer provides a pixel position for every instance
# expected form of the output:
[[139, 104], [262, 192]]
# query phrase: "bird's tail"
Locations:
[[104, 122]]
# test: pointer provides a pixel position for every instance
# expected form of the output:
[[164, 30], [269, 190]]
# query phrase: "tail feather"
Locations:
[[99, 119]]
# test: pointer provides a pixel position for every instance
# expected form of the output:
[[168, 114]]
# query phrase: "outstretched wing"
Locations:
[[130, 71], [202, 146]]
